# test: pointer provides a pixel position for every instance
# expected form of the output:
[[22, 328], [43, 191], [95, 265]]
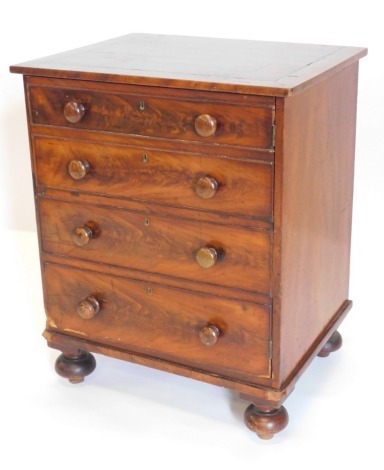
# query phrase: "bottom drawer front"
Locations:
[[160, 321]]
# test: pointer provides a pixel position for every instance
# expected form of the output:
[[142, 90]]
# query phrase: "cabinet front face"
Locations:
[[200, 166]]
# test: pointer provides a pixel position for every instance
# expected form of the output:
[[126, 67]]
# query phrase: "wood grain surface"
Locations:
[[241, 66], [313, 210], [161, 321], [140, 111], [165, 177], [158, 244]]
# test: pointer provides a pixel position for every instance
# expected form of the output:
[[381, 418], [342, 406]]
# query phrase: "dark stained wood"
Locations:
[[169, 177], [264, 395], [194, 205], [151, 207], [161, 321], [222, 151], [75, 367], [314, 165], [158, 244], [264, 421], [147, 112], [333, 344], [159, 279], [240, 66]]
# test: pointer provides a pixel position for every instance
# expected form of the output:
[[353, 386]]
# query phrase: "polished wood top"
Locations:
[[242, 66]]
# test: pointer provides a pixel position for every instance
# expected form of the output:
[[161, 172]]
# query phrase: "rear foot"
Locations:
[[333, 344]]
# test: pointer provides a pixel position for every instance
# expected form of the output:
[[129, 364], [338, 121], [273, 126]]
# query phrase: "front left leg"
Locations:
[[75, 367]]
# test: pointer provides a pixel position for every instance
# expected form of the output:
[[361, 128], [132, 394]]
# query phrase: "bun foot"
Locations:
[[265, 422], [333, 344], [75, 367]]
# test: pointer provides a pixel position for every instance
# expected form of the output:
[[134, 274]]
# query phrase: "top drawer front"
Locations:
[[142, 111]]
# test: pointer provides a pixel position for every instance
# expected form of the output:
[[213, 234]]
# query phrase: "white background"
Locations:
[[127, 416]]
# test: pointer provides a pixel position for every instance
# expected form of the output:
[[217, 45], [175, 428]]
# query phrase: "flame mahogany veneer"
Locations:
[[194, 201]]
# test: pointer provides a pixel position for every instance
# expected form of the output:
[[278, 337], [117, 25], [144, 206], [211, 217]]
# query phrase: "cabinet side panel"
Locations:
[[315, 166]]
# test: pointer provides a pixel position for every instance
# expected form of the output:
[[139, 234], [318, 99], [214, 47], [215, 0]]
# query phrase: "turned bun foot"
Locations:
[[75, 367], [265, 422], [333, 344]]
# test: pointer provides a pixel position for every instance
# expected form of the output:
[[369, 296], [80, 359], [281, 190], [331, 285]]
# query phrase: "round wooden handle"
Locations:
[[206, 187], [88, 308], [209, 335], [82, 235], [78, 169], [207, 256], [74, 111], [205, 125]]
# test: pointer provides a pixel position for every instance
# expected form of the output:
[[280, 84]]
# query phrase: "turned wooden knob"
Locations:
[[207, 256], [82, 235], [74, 111], [78, 169], [209, 335], [205, 125], [88, 308], [206, 187]]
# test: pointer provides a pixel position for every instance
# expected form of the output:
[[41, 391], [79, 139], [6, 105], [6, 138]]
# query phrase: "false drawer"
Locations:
[[198, 251], [166, 177], [210, 333]]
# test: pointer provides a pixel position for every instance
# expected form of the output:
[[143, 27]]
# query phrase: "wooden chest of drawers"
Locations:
[[194, 201]]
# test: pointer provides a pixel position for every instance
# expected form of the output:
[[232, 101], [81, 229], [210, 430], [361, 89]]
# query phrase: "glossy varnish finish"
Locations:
[[256, 67], [157, 320], [315, 162], [158, 244], [155, 112], [161, 176], [194, 214]]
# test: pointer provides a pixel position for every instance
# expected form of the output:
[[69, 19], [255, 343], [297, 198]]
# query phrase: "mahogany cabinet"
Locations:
[[194, 199]]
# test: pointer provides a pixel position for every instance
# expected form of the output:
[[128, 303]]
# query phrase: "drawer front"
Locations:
[[172, 178], [157, 244], [233, 123], [160, 321]]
